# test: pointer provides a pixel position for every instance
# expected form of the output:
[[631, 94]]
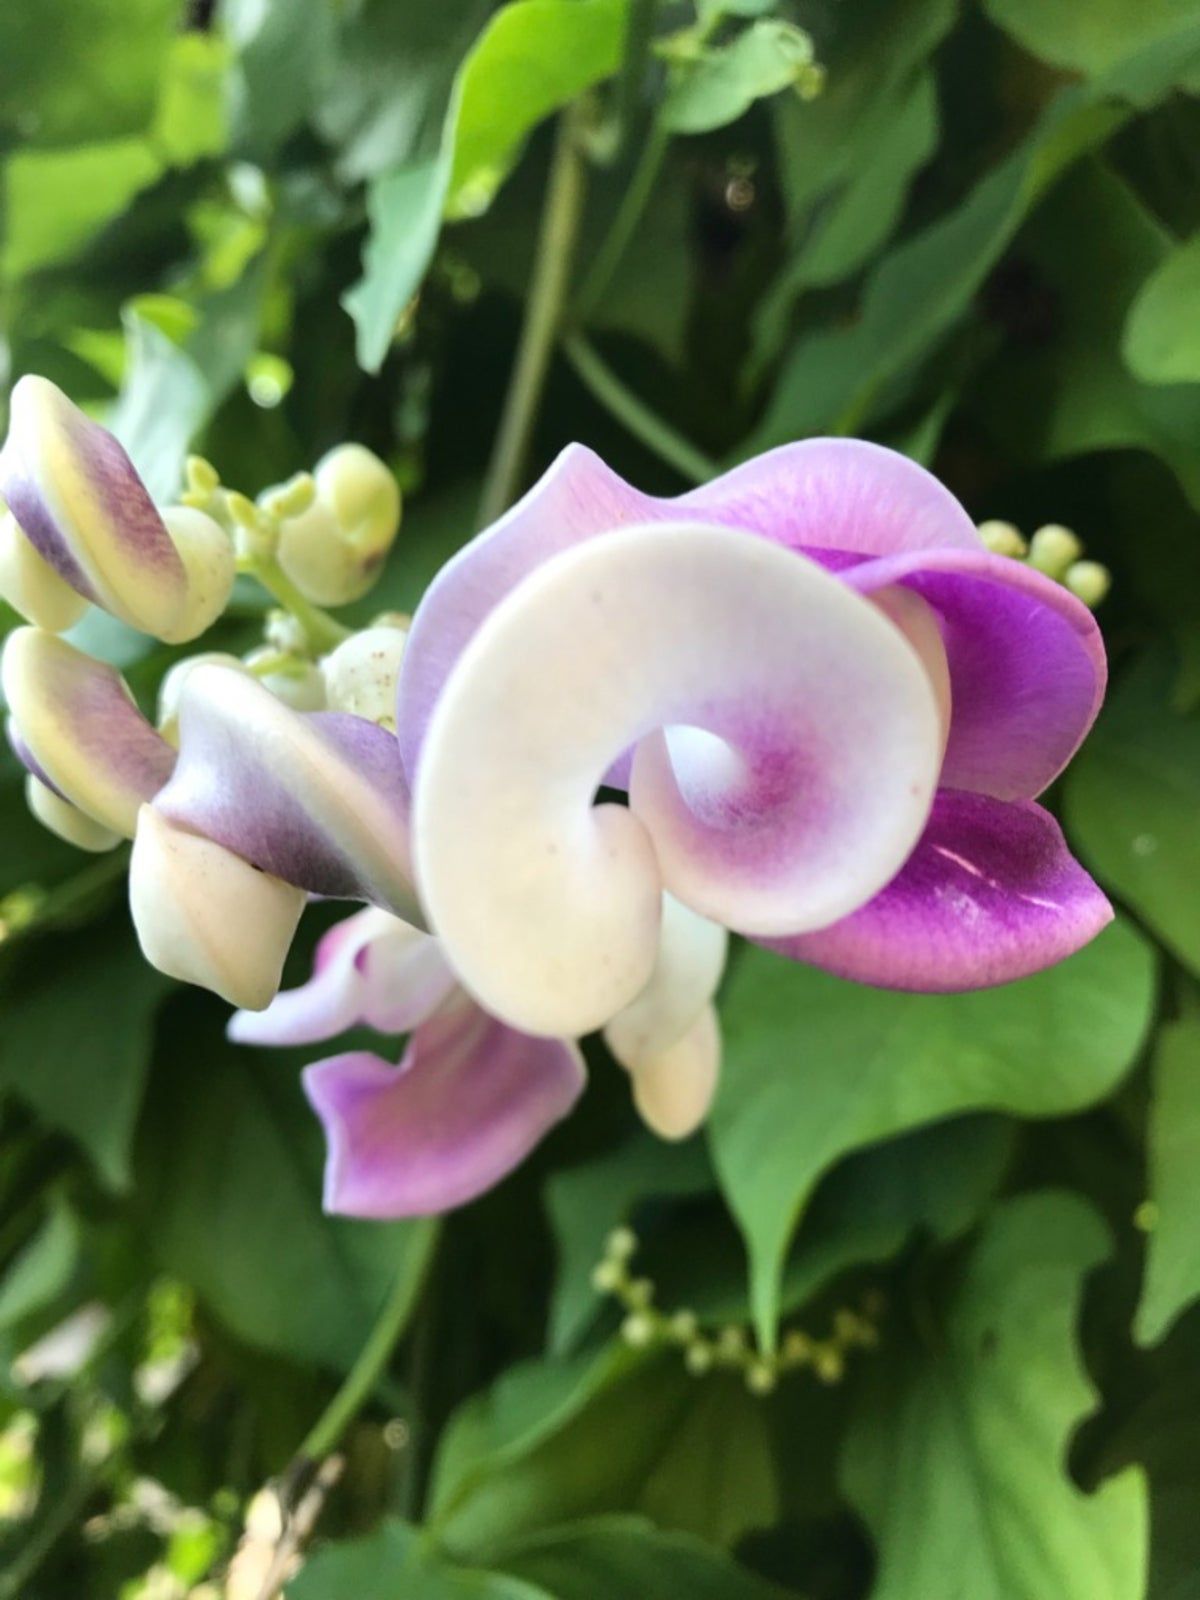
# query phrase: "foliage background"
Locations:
[[981, 244]]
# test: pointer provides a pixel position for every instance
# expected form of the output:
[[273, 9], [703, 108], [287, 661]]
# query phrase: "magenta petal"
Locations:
[[467, 1104], [990, 894], [826, 494]]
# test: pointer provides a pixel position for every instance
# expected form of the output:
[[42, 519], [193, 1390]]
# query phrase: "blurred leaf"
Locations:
[[552, 1442], [533, 57], [623, 1558], [43, 1268], [1173, 1247], [397, 1562], [816, 1067], [1132, 799], [284, 53], [765, 58], [191, 120], [229, 1178], [585, 1202], [1090, 36], [56, 200], [957, 1456], [78, 1026], [161, 406], [1162, 333]]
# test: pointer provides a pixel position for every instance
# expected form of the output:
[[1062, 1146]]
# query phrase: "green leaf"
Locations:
[[555, 1441], [162, 404], [623, 1558], [398, 1563], [767, 57], [43, 1269], [229, 1176], [191, 120], [1132, 799], [78, 1025], [816, 1067], [284, 56], [1090, 36], [1173, 1247], [57, 200], [1162, 333], [957, 1455], [533, 57]]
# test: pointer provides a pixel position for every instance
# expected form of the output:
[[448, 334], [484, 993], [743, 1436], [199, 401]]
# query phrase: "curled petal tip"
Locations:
[[794, 775], [209, 571], [67, 821], [687, 972], [673, 1090], [207, 917], [32, 586]]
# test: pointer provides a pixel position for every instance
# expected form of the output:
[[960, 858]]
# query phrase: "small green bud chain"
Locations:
[[1054, 550]]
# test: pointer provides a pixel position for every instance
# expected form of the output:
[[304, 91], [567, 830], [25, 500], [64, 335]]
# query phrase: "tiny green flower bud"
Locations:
[[334, 551], [638, 1330], [607, 1277], [797, 1348], [621, 1244], [1088, 581], [1053, 549], [640, 1293], [731, 1343], [699, 1357], [1003, 538], [761, 1377], [201, 476], [285, 633], [290, 499], [828, 1363], [683, 1327]]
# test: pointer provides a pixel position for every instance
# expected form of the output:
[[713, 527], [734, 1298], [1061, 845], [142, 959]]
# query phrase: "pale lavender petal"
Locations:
[[829, 494], [1026, 659], [76, 727], [319, 799], [467, 1104], [80, 502], [990, 894]]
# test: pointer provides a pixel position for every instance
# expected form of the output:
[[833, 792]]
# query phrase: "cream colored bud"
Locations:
[[1088, 581], [361, 674], [299, 684], [66, 820], [210, 567], [1053, 549], [333, 552], [1003, 539], [674, 1089], [205, 916], [31, 585]]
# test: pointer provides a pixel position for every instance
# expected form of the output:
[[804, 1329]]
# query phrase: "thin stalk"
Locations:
[[624, 224], [640, 420], [543, 313], [639, 31], [55, 904], [322, 631]]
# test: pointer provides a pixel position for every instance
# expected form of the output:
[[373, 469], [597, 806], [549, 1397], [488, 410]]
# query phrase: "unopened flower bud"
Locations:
[[209, 566], [1088, 581], [828, 1363], [1003, 538], [31, 585], [298, 683], [683, 1327], [797, 1348], [201, 476], [637, 1330], [67, 821], [290, 499], [731, 1342], [361, 674], [699, 1357], [205, 916], [640, 1293], [607, 1277], [621, 1244], [334, 551], [761, 1377], [1053, 549], [673, 1090]]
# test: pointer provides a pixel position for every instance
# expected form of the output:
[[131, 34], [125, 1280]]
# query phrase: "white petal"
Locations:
[[66, 820], [691, 959], [360, 675], [31, 585], [207, 917], [673, 1091]]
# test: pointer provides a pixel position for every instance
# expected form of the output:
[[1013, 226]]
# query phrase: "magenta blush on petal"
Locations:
[[468, 1102], [990, 894]]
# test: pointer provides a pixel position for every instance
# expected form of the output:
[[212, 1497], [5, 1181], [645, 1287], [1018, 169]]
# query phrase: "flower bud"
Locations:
[[1053, 549], [334, 550], [79, 501], [1088, 581], [67, 821], [205, 916], [1003, 539], [298, 683], [31, 585], [361, 674]]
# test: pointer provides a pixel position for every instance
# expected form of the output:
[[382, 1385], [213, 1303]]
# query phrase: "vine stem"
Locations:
[[637, 416], [561, 216], [323, 631], [624, 224]]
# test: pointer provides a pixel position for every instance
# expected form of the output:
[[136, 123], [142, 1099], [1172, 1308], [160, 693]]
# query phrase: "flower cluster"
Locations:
[[807, 704]]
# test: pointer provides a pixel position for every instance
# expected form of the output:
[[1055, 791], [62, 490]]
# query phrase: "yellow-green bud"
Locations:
[[731, 1342], [621, 1244], [1003, 538], [640, 1293], [797, 1348], [334, 550], [1053, 549], [607, 1277], [1088, 581], [683, 1327], [638, 1330], [828, 1363], [201, 476], [761, 1377], [290, 499], [699, 1357]]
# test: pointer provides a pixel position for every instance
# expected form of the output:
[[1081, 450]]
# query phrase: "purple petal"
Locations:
[[990, 894], [79, 501], [76, 727], [829, 494], [1027, 665], [467, 1104], [370, 968], [318, 799]]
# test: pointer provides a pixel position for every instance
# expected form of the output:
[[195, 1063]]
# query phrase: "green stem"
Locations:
[[639, 31], [625, 223], [543, 312], [57, 903], [641, 421], [326, 1433], [322, 631]]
